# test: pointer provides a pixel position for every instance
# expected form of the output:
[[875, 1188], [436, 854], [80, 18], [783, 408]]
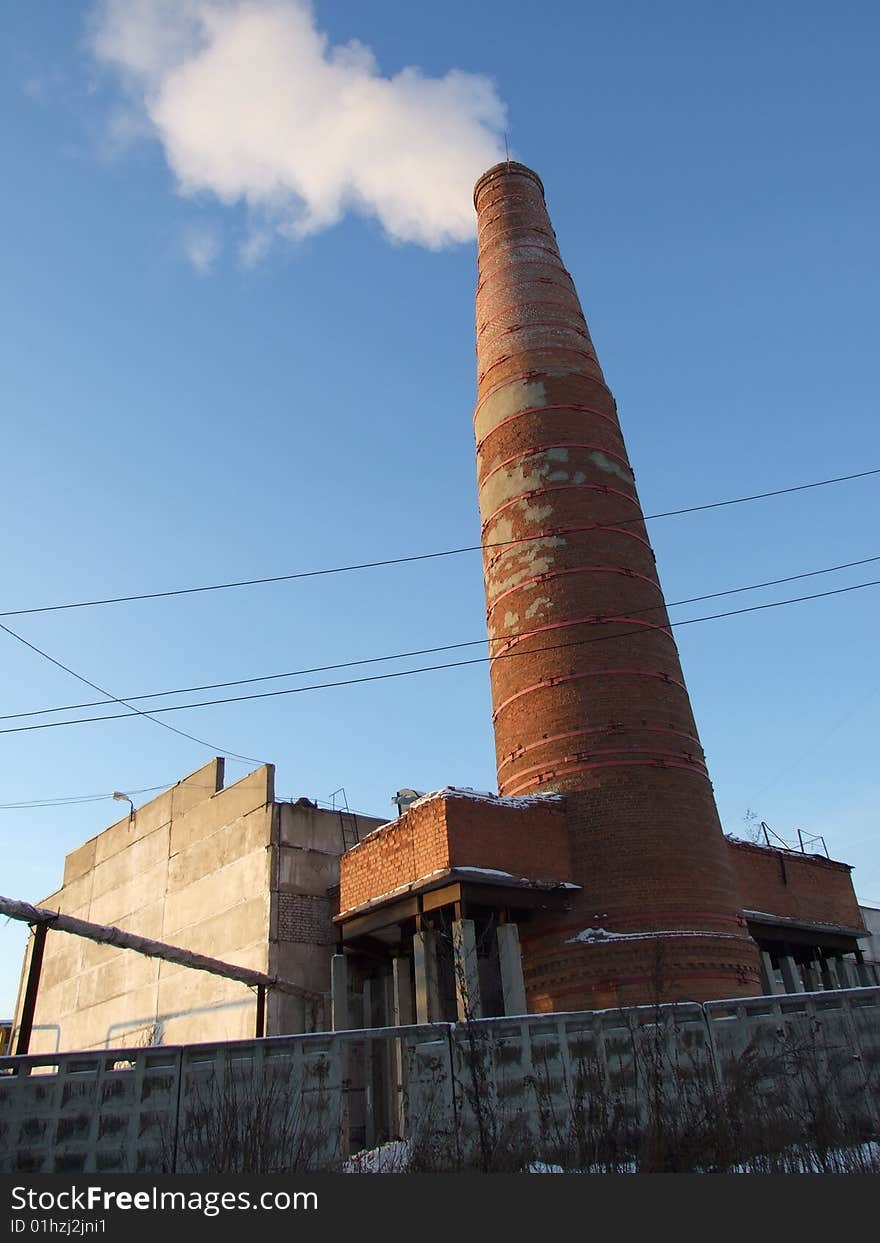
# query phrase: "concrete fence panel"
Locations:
[[612, 1089], [94, 1112]]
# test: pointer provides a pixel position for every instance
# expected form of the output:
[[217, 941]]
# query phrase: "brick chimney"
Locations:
[[588, 693]]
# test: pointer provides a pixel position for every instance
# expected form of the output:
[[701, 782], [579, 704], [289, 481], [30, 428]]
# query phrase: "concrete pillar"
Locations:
[[863, 975], [401, 993], [467, 973], [339, 993], [791, 977], [401, 1016], [812, 978], [510, 962], [768, 975], [368, 1070], [844, 974], [425, 971], [829, 978]]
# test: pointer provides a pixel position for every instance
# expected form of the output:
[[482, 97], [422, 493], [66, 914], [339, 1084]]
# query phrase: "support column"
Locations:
[[790, 975], [844, 973], [401, 1016], [368, 1068], [401, 993], [863, 973], [339, 993], [829, 979], [811, 978], [26, 1022], [830, 973], [768, 974], [367, 1000], [510, 962], [425, 971], [467, 974]]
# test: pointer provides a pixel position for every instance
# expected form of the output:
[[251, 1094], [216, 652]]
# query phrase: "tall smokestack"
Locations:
[[588, 693]]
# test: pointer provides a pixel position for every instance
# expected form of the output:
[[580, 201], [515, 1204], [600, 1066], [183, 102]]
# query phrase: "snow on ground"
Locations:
[[390, 1158]]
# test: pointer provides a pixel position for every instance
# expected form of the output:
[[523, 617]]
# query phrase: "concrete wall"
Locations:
[[190, 868], [307, 845], [137, 1110], [600, 1090], [871, 946]]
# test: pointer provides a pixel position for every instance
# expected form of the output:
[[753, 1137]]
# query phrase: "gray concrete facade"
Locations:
[[227, 872]]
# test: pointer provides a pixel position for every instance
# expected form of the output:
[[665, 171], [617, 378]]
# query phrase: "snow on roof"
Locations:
[[486, 796], [522, 882], [460, 870], [515, 801]]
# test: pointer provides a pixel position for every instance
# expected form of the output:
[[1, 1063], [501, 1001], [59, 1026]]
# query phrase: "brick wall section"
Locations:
[[305, 918], [412, 846], [528, 840], [595, 709], [795, 886], [457, 830]]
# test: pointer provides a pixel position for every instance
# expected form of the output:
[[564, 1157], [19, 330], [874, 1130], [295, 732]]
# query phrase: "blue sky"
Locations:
[[209, 376]]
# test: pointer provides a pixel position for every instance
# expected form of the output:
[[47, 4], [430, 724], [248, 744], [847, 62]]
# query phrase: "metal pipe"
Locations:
[[107, 934]]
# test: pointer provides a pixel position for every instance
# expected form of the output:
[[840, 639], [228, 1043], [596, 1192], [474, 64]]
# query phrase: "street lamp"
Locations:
[[117, 794]]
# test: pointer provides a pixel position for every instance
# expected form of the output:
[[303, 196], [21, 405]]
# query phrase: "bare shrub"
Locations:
[[238, 1123]]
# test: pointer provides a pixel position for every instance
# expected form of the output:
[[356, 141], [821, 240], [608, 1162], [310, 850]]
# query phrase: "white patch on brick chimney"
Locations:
[[610, 466]]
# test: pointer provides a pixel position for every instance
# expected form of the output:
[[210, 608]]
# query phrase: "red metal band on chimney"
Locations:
[[555, 532], [607, 729], [484, 274], [511, 640], [584, 762], [559, 487], [575, 677], [531, 375], [535, 450], [560, 349], [512, 788], [529, 323], [537, 323], [578, 569], [648, 981], [576, 407]]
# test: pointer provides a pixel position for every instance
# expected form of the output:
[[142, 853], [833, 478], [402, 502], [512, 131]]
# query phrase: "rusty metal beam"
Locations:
[[32, 988], [261, 1012]]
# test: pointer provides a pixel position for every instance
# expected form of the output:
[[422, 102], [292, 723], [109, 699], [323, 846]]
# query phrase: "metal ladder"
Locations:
[[348, 821]]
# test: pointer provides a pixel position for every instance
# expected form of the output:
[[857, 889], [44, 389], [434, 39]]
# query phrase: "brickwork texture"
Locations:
[[588, 693]]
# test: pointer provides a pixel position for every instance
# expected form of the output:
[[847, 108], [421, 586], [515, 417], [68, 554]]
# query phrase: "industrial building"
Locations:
[[227, 872], [598, 876]]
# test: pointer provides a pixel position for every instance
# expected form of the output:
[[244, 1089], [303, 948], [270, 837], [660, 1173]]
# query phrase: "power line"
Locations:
[[404, 673], [76, 799], [425, 651], [115, 699], [66, 800], [425, 556]]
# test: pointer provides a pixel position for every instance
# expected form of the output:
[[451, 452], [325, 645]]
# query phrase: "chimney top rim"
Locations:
[[506, 166]]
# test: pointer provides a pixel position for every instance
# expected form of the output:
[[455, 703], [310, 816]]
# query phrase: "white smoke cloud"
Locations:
[[201, 246], [253, 104]]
